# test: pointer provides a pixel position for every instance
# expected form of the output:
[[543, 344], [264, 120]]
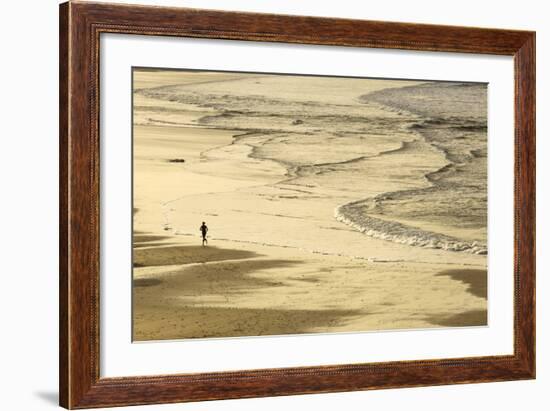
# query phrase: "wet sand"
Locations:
[[278, 261]]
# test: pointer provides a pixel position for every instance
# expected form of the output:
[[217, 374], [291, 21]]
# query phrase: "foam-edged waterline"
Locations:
[[352, 215]]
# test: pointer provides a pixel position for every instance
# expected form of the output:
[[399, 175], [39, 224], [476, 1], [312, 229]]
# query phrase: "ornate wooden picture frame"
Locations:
[[81, 25]]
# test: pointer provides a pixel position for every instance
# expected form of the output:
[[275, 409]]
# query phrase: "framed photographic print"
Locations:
[[258, 205]]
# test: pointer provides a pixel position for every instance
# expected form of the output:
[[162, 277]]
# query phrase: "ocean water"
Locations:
[[454, 121], [404, 162]]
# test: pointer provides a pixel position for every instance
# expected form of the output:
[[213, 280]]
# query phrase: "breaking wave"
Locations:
[[353, 215], [453, 121]]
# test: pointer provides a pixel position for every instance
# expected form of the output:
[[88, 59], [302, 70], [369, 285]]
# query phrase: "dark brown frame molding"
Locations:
[[81, 24]]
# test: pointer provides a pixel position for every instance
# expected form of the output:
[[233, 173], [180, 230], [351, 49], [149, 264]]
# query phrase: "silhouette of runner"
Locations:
[[204, 230]]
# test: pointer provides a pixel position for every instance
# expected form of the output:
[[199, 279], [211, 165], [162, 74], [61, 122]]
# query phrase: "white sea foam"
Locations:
[[353, 214]]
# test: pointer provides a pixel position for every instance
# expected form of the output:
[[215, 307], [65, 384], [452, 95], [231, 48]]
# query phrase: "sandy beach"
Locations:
[[329, 207]]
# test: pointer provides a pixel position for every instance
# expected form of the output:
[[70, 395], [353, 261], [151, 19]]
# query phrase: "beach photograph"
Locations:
[[283, 204]]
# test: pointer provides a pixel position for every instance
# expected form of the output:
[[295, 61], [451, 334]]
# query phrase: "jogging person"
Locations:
[[204, 230]]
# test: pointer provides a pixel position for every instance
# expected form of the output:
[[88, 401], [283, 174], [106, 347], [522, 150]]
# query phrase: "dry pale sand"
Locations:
[[277, 262]]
